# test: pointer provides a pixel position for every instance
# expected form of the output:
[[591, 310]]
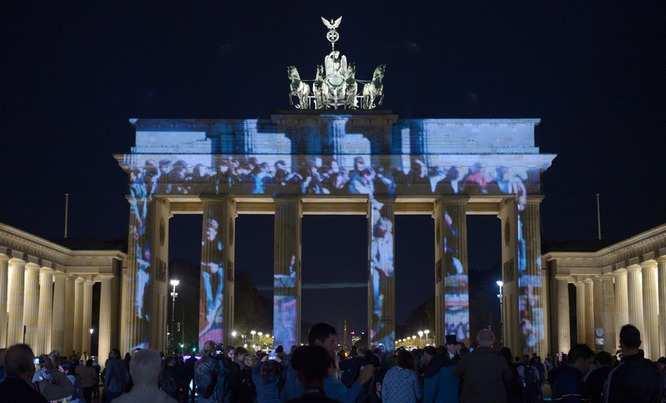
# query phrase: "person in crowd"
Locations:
[[145, 371], [215, 376], [440, 380], [170, 380], [530, 379], [52, 383], [245, 362], [566, 381], [19, 370], [595, 379], [87, 377], [635, 379], [484, 374], [661, 367], [70, 371], [116, 376], [268, 380], [325, 336], [312, 365], [514, 389], [400, 384]]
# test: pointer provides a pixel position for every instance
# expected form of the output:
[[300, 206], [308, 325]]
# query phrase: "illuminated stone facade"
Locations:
[[615, 285], [48, 292], [364, 163]]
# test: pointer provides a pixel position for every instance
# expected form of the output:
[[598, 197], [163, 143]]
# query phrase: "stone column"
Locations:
[[106, 321], [31, 303], [510, 259], [606, 303], [635, 287], [381, 274], [564, 333], [650, 309], [4, 263], [216, 312], [287, 271], [78, 317], [662, 304], [70, 310], [589, 313], [45, 313], [15, 289], [530, 286], [86, 316], [580, 313], [59, 321], [621, 299], [451, 275]]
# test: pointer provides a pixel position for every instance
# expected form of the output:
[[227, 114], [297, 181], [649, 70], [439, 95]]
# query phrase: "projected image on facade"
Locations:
[[372, 157], [382, 274], [211, 310], [326, 175], [285, 305], [456, 292]]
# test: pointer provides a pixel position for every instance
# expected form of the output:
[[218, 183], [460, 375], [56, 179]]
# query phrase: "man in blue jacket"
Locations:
[[324, 335], [440, 381]]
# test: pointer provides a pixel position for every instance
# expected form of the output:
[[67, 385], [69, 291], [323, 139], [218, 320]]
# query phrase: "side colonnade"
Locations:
[[47, 295], [624, 283]]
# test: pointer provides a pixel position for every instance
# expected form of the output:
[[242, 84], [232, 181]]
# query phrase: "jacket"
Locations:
[[143, 394], [442, 387], [484, 375], [115, 375], [635, 380], [333, 388]]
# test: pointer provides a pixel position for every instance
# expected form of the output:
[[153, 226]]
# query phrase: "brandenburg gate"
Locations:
[[334, 152]]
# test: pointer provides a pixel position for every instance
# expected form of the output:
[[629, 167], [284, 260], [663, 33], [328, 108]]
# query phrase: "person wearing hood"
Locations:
[[440, 381], [400, 384]]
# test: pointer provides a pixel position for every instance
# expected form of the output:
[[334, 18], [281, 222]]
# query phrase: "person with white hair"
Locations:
[[145, 369]]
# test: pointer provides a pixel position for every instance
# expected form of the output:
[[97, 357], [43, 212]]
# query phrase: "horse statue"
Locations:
[[351, 89], [319, 88], [298, 88], [373, 92]]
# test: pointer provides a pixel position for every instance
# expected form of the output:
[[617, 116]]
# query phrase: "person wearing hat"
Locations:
[[452, 348], [441, 383]]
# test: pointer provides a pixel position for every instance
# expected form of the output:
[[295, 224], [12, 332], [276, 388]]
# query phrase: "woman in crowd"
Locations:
[[400, 383]]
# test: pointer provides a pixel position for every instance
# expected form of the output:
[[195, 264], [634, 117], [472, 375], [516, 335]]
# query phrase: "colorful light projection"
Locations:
[[456, 290], [382, 275], [211, 307], [285, 305]]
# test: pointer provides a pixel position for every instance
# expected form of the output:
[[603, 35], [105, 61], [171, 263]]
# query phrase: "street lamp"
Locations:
[[500, 295], [420, 333], [427, 332], [253, 332], [174, 283], [234, 334]]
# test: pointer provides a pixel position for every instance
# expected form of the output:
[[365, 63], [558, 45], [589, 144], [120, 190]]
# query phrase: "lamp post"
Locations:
[[420, 333], [174, 283], [253, 332], [500, 296], [427, 332]]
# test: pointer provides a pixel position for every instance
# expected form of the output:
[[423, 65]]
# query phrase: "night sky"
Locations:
[[594, 72]]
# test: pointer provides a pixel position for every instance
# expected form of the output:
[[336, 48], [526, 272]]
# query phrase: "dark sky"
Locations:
[[74, 72]]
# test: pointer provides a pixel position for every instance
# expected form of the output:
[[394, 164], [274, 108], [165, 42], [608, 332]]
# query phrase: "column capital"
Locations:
[[648, 264], [620, 271], [106, 276], [58, 273], [634, 268], [588, 280], [31, 266], [78, 279], [16, 260], [565, 277], [3, 257], [534, 200], [45, 269], [661, 259]]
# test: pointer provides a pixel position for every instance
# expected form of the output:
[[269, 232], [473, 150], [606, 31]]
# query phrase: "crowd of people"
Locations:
[[321, 372]]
